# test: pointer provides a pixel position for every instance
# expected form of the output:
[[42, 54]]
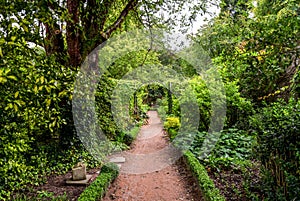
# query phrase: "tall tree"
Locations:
[[71, 29]]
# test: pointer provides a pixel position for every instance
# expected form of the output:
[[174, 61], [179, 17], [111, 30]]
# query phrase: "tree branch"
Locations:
[[131, 4]]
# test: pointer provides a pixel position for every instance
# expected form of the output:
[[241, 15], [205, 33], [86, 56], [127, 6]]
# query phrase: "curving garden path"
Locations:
[[160, 181]]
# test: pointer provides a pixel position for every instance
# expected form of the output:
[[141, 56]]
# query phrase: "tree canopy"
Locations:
[[71, 29]]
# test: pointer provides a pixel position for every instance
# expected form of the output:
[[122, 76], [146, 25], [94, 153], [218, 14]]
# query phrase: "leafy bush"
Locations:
[[238, 108], [97, 189], [203, 100], [278, 148], [35, 110], [233, 149], [129, 136], [172, 125]]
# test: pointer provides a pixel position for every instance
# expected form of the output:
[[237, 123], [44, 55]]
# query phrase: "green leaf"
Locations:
[[3, 80], [35, 89], [42, 79], [16, 94], [13, 38], [16, 107], [48, 102], [12, 77]]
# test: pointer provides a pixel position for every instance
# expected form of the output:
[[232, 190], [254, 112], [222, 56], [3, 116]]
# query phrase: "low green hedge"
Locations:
[[207, 187], [97, 189]]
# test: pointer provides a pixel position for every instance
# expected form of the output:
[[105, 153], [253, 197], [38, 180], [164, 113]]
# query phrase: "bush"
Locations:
[[232, 149], [41, 195], [278, 148], [207, 187], [129, 136], [172, 125], [35, 110], [238, 108], [97, 189]]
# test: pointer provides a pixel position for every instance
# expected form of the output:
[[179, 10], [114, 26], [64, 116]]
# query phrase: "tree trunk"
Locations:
[[73, 33]]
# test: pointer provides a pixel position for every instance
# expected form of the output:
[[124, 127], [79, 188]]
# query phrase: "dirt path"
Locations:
[[146, 174]]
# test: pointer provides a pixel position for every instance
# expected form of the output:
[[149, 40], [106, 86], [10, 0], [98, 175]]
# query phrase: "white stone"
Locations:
[[117, 160]]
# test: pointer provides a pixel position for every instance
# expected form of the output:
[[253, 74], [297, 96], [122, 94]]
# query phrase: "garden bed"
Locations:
[[56, 188]]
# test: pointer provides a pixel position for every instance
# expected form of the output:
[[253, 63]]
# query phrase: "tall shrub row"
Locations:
[[35, 110]]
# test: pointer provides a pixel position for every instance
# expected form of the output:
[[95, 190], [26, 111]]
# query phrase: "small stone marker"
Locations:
[[79, 172], [118, 159], [79, 175]]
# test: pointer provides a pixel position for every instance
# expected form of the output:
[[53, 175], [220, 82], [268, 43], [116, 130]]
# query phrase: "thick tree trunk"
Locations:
[[73, 34], [93, 25]]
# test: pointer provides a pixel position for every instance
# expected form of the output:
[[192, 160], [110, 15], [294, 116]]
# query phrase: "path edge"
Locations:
[[96, 190], [205, 184]]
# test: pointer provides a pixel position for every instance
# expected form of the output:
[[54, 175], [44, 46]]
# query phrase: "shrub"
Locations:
[[42, 195], [233, 148], [207, 187], [172, 125], [237, 108], [97, 189], [35, 110], [278, 148]]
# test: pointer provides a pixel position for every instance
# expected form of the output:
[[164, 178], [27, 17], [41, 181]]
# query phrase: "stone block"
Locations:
[[79, 182], [117, 160], [79, 173]]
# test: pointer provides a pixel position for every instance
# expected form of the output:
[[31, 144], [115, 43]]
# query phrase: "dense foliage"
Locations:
[[35, 100], [277, 129], [253, 45], [259, 52], [256, 45]]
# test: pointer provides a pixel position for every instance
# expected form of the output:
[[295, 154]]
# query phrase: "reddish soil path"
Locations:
[[166, 183]]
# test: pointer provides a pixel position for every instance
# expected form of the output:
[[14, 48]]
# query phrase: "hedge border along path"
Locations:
[[206, 185], [97, 189]]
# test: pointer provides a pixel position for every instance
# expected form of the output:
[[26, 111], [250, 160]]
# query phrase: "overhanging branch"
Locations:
[[130, 5]]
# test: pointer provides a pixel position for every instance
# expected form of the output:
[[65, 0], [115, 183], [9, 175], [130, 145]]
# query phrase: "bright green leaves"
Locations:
[[33, 89], [15, 104], [172, 125], [5, 76]]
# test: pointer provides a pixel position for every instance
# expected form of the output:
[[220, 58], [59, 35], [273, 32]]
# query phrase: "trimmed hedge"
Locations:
[[207, 187], [97, 189]]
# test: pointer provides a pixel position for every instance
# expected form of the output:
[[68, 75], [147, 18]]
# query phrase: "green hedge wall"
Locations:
[[207, 187]]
